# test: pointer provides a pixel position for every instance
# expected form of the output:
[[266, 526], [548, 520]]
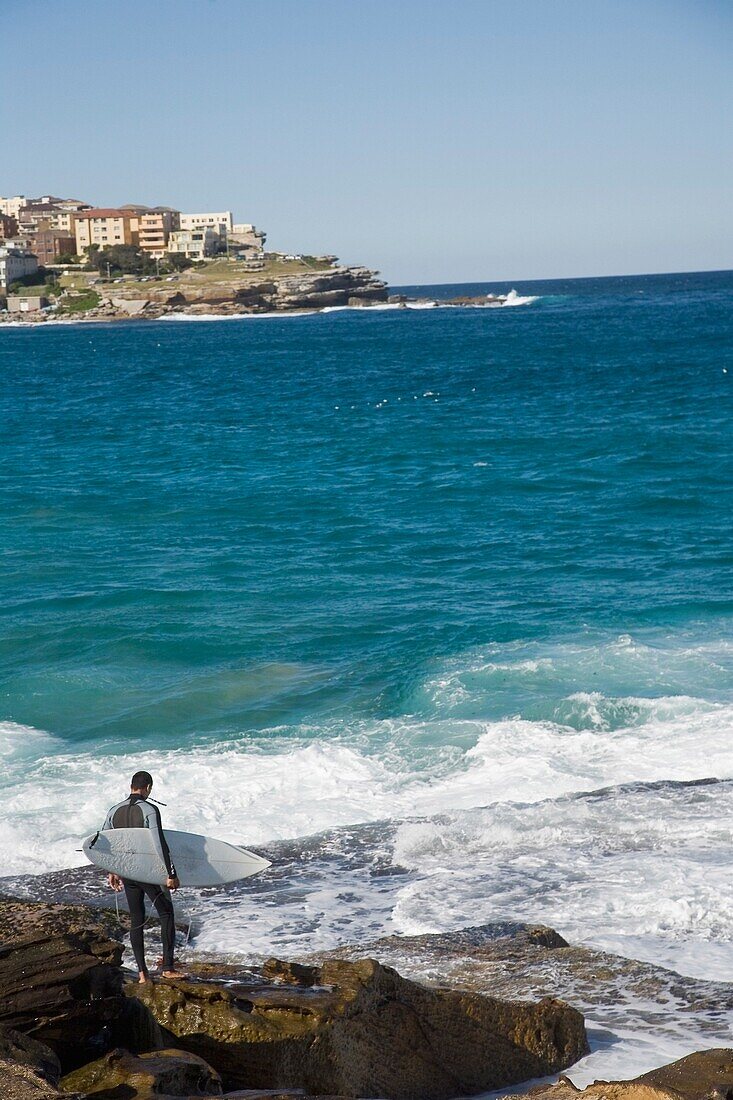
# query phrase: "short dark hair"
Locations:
[[140, 780]]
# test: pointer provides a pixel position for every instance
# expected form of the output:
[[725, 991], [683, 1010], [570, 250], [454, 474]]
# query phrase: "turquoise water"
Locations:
[[213, 529], [433, 605]]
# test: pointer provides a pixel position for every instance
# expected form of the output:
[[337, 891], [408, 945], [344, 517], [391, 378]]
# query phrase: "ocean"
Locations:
[[433, 606]]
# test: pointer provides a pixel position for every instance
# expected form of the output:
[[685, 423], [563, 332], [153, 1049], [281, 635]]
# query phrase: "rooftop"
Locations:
[[106, 212]]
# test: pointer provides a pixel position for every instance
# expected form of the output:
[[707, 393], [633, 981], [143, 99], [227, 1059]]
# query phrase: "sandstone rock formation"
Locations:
[[61, 983], [706, 1075], [28, 1069], [161, 1073], [342, 1028], [509, 960], [360, 1029], [337, 286]]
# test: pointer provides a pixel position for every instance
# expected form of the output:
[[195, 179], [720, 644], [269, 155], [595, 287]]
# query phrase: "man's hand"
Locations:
[[172, 882], [115, 882]]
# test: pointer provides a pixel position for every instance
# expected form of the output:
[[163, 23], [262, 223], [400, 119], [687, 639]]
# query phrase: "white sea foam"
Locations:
[[587, 811], [466, 820], [514, 299], [424, 767]]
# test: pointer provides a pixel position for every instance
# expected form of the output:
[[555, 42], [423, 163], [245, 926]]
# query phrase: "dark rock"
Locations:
[[541, 936], [695, 1077], [27, 1068], [706, 1075], [359, 1029], [276, 1094], [61, 982], [291, 972], [162, 1073], [25, 1051], [504, 958]]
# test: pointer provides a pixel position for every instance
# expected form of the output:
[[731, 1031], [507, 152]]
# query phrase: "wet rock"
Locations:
[[276, 1094], [27, 1068], [359, 1029], [510, 959], [706, 1075], [61, 982], [161, 1073], [700, 1076]]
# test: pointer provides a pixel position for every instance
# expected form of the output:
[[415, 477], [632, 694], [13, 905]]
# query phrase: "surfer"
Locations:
[[135, 812]]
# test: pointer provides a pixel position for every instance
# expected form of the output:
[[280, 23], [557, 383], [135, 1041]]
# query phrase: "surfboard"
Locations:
[[199, 860]]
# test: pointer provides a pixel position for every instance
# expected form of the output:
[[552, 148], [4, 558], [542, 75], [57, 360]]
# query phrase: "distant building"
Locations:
[[50, 212], [21, 241], [26, 303], [15, 263], [247, 241], [35, 216], [8, 227], [12, 207], [220, 222], [66, 213], [105, 226], [49, 244], [195, 244], [156, 226]]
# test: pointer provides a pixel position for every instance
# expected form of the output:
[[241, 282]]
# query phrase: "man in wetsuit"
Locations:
[[137, 813]]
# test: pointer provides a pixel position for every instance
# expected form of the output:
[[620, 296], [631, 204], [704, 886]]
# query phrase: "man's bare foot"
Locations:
[[173, 974], [144, 979]]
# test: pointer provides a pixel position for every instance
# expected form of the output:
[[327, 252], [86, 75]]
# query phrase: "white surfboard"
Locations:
[[199, 860]]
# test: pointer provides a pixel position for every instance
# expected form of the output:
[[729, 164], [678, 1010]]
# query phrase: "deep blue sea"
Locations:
[[443, 596]]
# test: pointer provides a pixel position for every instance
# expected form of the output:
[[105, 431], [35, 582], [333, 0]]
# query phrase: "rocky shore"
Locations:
[[72, 1025], [339, 286], [230, 293], [70, 1021]]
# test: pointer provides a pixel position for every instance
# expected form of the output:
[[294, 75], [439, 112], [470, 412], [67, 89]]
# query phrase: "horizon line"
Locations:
[[571, 278]]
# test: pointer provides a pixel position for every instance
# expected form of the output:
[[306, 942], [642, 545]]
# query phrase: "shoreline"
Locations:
[[416, 305], [623, 1004], [222, 291]]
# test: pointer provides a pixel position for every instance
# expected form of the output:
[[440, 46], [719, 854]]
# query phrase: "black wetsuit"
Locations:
[[137, 813]]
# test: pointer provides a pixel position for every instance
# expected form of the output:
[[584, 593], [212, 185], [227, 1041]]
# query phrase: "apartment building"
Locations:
[[66, 213], [247, 241], [50, 244], [50, 212], [35, 216], [195, 244], [8, 227], [106, 226], [156, 226], [220, 222], [12, 207], [16, 263]]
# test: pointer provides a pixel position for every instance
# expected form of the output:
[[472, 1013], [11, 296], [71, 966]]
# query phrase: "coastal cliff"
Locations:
[[222, 288], [339, 286]]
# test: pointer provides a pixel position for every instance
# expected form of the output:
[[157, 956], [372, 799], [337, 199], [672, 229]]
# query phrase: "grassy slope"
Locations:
[[218, 271]]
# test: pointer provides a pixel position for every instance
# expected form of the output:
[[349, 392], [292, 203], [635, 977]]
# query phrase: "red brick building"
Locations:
[[49, 244], [8, 227]]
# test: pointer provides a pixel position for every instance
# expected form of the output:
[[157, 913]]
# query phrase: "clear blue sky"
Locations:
[[438, 140]]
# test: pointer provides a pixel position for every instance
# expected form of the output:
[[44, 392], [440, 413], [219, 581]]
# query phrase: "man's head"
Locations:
[[141, 783]]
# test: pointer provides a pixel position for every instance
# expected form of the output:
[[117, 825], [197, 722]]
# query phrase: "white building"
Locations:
[[247, 240], [12, 207], [15, 263], [195, 244], [220, 222]]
